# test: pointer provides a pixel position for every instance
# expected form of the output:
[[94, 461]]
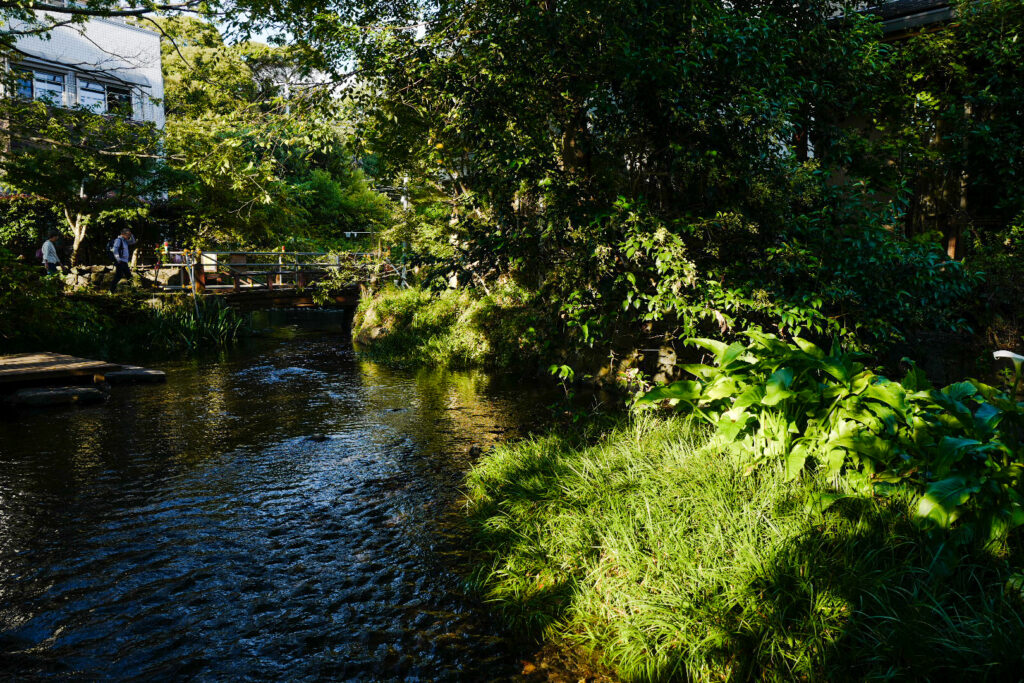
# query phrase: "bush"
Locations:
[[956, 451], [36, 315]]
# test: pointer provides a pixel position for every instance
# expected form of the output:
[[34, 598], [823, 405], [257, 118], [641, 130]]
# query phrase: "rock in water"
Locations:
[[132, 374], [316, 437], [55, 396]]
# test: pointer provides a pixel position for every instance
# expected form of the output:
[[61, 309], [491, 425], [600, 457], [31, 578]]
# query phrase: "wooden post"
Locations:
[[235, 261]]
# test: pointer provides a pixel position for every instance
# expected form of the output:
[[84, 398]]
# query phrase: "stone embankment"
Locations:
[[100, 277]]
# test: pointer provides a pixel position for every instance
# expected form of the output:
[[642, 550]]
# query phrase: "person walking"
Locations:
[[50, 259], [122, 251]]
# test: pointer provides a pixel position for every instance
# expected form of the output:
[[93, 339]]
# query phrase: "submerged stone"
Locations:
[[133, 374], [53, 396]]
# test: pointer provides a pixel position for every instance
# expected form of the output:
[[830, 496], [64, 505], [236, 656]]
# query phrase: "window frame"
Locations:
[[83, 86], [36, 73]]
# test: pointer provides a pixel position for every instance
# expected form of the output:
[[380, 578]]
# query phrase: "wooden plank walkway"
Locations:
[[33, 380], [45, 366]]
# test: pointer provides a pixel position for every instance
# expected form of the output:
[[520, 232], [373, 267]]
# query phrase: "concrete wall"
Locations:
[[107, 50]]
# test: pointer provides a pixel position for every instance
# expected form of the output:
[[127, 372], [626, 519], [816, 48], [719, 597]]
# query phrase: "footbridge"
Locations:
[[275, 279]]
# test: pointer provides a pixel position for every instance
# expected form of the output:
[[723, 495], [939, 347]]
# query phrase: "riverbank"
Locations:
[[453, 328], [664, 555], [36, 314]]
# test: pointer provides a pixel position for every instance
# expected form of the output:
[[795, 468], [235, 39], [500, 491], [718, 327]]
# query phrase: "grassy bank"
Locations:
[[668, 558], [449, 329], [119, 327], [37, 315]]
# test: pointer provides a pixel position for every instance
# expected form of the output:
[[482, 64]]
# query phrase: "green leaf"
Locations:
[[777, 388], [752, 395], [703, 371], [889, 393], [713, 345], [795, 462], [820, 501], [729, 429], [732, 353], [722, 387], [941, 501], [684, 390], [809, 348]]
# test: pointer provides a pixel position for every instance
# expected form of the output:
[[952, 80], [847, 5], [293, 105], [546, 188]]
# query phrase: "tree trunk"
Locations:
[[78, 224]]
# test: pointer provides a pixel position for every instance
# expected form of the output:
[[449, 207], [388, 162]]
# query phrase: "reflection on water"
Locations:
[[194, 529]]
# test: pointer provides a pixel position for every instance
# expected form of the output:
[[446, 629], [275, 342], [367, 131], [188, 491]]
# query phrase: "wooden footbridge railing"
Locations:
[[253, 271]]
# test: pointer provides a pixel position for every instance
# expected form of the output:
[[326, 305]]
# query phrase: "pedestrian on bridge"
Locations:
[[121, 248], [49, 253]]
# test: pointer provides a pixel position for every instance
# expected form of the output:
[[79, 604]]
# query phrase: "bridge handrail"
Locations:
[[193, 265], [272, 253]]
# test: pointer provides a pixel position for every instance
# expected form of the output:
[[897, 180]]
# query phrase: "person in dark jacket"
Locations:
[[122, 251]]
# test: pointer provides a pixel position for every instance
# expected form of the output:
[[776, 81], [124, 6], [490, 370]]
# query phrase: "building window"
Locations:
[[95, 96], [25, 84], [41, 85], [48, 87], [92, 96], [119, 101]]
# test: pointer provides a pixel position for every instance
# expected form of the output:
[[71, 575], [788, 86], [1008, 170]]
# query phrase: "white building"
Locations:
[[104, 64]]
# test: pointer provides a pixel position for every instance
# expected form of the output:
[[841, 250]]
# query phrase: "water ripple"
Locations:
[[193, 530]]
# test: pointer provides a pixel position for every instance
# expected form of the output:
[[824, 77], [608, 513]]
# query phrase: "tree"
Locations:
[[641, 163], [949, 120], [85, 163], [259, 142]]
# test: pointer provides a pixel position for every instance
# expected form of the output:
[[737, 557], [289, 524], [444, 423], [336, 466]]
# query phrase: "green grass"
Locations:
[[659, 553], [448, 329]]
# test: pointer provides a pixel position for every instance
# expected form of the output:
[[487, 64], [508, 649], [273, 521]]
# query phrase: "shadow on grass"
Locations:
[[864, 595], [677, 566]]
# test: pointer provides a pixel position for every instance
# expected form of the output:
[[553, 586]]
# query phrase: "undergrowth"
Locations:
[[673, 561], [451, 328]]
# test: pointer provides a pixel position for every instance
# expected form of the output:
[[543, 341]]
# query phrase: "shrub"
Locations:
[[36, 315], [957, 450], [449, 328]]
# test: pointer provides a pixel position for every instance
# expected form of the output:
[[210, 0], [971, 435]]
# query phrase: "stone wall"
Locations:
[[100, 277]]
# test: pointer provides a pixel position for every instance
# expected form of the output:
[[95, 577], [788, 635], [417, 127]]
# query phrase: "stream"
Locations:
[[283, 511]]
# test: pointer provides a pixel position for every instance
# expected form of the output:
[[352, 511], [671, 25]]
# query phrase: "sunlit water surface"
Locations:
[[193, 530]]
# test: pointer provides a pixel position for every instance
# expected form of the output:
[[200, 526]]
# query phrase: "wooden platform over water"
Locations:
[[45, 368]]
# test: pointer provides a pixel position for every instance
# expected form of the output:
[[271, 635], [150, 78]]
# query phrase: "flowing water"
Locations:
[[195, 530]]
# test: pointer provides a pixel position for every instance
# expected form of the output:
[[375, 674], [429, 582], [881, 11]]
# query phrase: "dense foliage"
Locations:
[[958, 449], [449, 329], [84, 164], [655, 170], [259, 145], [949, 122]]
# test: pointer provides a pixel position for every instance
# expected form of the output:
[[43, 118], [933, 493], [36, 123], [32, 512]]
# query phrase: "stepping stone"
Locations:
[[56, 396], [133, 374]]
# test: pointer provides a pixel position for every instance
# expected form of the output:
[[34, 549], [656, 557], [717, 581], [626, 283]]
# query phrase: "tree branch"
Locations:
[[189, 6]]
